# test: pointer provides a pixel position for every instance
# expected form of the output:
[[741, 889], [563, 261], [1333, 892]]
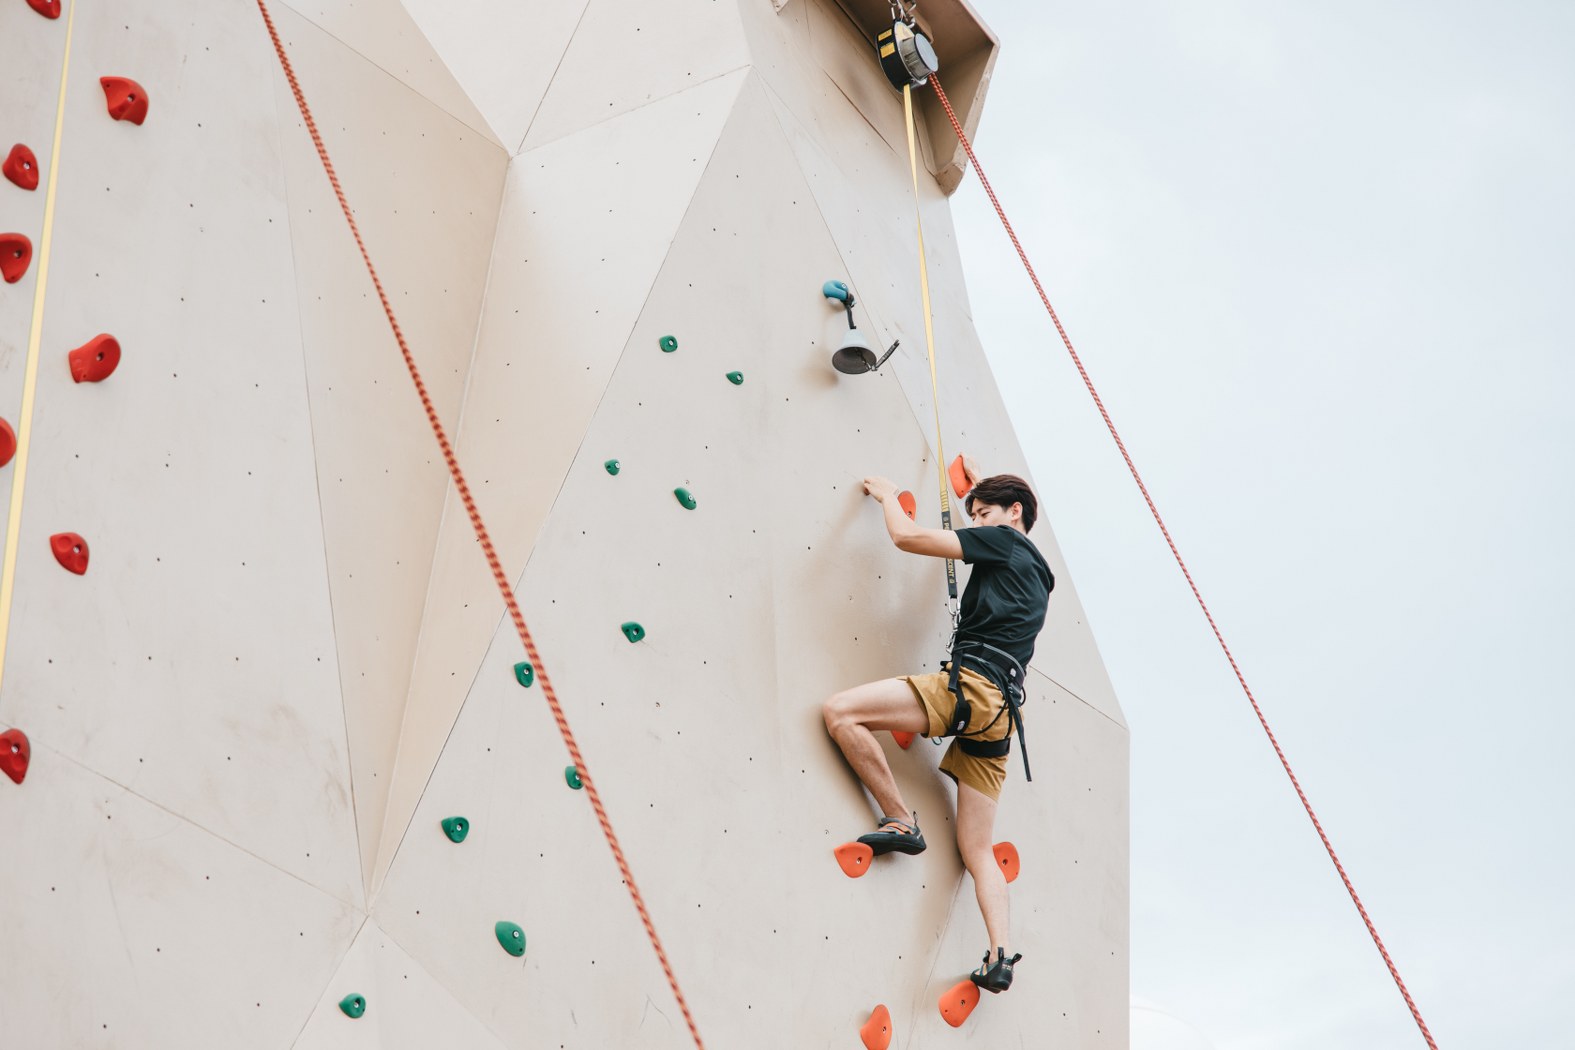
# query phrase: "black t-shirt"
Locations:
[[1005, 600]]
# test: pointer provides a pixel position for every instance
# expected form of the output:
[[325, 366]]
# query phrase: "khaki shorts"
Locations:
[[985, 775]]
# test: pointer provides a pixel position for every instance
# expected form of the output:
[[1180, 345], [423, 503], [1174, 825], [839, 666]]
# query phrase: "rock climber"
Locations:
[[973, 699]]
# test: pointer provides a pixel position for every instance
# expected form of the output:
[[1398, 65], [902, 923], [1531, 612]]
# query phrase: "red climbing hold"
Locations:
[[959, 475], [1006, 857], [7, 442], [126, 99], [71, 551], [95, 360], [904, 740], [16, 252], [909, 507], [958, 1001], [854, 858], [47, 8], [876, 1032], [14, 754], [21, 167]]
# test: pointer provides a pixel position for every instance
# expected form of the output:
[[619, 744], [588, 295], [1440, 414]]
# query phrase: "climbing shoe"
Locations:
[[995, 976], [894, 836]]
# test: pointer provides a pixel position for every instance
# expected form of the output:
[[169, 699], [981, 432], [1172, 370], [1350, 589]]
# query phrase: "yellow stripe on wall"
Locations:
[[24, 423]]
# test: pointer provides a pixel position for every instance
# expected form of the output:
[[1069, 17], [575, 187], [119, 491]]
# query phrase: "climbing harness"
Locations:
[[1007, 675], [462, 487], [1219, 636]]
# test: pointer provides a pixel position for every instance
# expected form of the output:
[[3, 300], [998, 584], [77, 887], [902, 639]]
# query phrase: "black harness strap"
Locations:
[[986, 748], [1009, 682], [962, 714]]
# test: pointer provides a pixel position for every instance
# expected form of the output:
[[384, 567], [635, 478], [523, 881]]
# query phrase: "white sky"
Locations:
[[1318, 259]]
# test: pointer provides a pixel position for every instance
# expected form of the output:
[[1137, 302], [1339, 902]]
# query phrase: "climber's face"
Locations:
[[989, 514]]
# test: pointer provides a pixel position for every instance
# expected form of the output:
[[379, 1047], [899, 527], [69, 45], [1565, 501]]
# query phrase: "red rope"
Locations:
[[1349, 888], [486, 540]]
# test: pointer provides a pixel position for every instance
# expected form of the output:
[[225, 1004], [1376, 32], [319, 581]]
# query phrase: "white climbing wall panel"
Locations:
[[125, 924], [413, 1012], [578, 244], [505, 53], [427, 192], [287, 661], [385, 35], [627, 53], [196, 659]]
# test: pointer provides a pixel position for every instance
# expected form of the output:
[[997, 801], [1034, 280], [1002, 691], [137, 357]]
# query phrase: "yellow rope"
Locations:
[[929, 333], [24, 423]]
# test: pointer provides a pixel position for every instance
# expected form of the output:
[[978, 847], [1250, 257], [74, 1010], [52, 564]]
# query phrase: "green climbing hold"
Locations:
[[633, 631], [353, 1005], [456, 828], [736, 378], [668, 344], [571, 776], [511, 937], [685, 498], [525, 673], [612, 466]]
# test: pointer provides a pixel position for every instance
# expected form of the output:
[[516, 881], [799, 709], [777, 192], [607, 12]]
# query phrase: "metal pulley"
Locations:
[[906, 55]]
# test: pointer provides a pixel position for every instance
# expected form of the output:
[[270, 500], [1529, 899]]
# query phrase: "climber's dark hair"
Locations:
[[1002, 491]]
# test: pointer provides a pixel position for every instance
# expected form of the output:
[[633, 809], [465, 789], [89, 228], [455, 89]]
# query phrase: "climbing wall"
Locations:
[[233, 738]]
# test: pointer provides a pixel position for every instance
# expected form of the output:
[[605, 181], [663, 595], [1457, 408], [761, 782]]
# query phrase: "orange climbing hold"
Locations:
[[876, 1032], [71, 551], [854, 858], [21, 167], [47, 8], [909, 507], [95, 360], [7, 442], [904, 740], [125, 98], [958, 1001], [1006, 857], [16, 252], [959, 475]]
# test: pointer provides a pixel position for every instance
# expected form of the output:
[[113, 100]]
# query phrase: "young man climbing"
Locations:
[[974, 699]]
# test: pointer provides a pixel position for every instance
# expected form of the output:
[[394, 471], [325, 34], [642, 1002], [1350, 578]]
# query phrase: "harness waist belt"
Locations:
[[985, 748]]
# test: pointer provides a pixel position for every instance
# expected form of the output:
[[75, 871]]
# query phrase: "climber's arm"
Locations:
[[908, 536]]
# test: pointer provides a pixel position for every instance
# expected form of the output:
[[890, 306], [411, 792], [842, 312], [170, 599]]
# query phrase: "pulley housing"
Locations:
[[906, 55]]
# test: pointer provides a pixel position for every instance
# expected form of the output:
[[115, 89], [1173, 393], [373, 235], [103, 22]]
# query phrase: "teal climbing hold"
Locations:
[[525, 673], [511, 937], [633, 631], [685, 498], [668, 344], [571, 776], [736, 378], [456, 828], [612, 466], [353, 1005]]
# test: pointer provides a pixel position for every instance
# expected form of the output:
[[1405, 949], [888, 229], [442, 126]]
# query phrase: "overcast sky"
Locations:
[[1320, 260]]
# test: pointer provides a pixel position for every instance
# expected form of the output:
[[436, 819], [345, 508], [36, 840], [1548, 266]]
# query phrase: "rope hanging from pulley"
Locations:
[[929, 334]]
